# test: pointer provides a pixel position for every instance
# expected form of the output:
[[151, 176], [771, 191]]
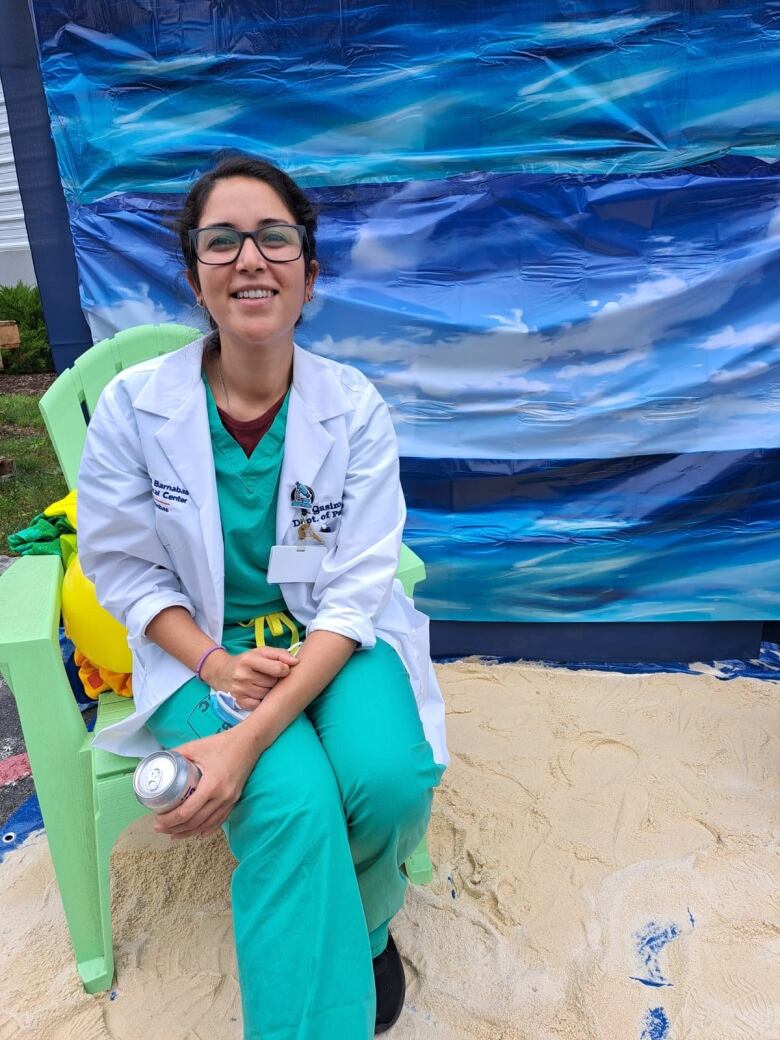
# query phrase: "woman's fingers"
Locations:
[[192, 829], [265, 669], [171, 822], [225, 764], [270, 660], [252, 684], [214, 822], [208, 820], [195, 824], [186, 818], [249, 701], [258, 670]]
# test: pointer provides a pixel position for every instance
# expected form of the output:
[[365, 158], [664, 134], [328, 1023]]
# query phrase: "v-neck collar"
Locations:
[[270, 443]]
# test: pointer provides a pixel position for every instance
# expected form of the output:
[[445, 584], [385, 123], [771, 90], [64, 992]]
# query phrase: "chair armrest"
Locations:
[[31, 662], [411, 570]]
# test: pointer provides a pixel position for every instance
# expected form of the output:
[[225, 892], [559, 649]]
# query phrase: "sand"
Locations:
[[607, 869]]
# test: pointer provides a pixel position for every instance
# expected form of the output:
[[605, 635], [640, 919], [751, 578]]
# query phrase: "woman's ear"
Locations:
[[311, 278], [193, 284]]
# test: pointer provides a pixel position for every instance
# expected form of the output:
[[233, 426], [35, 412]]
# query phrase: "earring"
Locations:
[[199, 300]]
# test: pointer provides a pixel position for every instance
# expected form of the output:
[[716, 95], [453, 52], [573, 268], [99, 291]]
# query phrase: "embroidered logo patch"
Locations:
[[302, 497], [166, 496], [326, 514]]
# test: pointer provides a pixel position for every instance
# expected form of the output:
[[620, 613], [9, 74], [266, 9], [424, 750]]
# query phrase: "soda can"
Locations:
[[164, 780]]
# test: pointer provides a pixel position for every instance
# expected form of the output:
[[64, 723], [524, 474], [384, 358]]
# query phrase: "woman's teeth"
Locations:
[[254, 294]]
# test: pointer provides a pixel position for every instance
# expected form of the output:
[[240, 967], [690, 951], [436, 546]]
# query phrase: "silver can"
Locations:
[[164, 780]]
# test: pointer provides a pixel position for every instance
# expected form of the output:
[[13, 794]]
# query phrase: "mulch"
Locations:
[[35, 383]]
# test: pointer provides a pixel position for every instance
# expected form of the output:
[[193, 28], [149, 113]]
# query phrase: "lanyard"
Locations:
[[277, 623]]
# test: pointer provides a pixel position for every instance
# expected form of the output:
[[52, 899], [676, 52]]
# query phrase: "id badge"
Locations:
[[295, 563]]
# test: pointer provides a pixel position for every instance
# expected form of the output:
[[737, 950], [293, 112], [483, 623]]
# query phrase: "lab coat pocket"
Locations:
[[169, 529], [328, 528], [173, 511]]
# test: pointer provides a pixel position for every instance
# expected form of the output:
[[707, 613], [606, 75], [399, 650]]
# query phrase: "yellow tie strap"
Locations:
[[277, 622]]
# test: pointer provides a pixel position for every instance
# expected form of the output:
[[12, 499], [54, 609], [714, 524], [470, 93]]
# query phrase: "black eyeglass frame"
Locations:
[[193, 233]]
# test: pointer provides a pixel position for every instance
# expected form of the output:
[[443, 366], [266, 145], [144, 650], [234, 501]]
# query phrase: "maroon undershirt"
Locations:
[[250, 433]]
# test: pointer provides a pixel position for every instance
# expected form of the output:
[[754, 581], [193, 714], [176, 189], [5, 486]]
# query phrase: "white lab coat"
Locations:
[[150, 536]]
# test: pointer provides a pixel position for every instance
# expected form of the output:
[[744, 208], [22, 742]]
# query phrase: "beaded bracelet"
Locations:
[[207, 653]]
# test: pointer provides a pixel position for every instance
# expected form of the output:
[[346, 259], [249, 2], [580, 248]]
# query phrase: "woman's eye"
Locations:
[[221, 242], [277, 237]]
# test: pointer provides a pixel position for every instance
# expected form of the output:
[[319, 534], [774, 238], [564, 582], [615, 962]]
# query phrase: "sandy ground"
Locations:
[[606, 868]]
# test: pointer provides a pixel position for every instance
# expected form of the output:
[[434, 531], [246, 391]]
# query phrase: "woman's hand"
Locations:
[[225, 764], [248, 676]]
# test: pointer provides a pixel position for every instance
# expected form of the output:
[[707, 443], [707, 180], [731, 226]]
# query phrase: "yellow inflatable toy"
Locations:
[[97, 635]]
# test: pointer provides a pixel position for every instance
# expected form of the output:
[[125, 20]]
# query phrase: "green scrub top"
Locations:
[[247, 491]]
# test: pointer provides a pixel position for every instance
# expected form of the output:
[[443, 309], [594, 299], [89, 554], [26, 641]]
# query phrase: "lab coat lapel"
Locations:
[[306, 446], [177, 394], [186, 441], [316, 395]]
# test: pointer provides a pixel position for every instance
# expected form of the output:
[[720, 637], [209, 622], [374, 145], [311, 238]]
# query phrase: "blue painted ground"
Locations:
[[656, 1025], [650, 943], [26, 820]]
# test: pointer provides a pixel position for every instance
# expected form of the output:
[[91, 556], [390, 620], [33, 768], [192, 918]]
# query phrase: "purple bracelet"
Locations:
[[202, 660]]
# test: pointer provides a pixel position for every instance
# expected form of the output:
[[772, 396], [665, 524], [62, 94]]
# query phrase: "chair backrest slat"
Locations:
[[64, 418], [96, 368], [82, 385], [130, 349]]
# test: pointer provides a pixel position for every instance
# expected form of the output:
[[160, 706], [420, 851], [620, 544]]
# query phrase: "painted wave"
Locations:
[[141, 95], [520, 316], [546, 235], [669, 538]]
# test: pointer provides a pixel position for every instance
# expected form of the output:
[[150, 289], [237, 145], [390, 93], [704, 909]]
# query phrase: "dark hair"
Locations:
[[285, 187]]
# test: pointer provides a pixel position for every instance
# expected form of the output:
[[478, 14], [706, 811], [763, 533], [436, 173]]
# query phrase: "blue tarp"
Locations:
[[550, 235], [23, 822]]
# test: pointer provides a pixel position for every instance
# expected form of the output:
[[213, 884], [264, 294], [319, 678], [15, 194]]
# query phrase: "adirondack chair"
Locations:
[[86, 795]]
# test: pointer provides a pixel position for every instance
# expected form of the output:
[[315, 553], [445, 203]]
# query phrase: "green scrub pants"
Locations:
[[328, 815]]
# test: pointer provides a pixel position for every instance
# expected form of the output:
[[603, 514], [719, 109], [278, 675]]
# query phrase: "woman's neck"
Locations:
[[246, 381]]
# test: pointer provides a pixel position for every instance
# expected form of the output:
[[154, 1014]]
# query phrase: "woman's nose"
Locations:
[[250, 258]]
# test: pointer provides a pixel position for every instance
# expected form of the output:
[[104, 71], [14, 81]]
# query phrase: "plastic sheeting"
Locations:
[[517, 316], [766, 666], [552, 241], [345, 92], [23, 822], [690, 537]]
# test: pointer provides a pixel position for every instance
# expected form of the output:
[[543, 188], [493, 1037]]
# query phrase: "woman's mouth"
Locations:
[[254, 294]]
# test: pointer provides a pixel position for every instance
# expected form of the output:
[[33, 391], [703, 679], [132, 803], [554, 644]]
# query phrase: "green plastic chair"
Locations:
[[86, 795]]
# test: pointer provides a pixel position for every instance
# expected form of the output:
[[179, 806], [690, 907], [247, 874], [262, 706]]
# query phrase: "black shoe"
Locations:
[[390, 987]]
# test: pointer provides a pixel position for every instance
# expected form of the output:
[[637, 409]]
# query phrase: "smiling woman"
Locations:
[[283, 526], [248, 237]]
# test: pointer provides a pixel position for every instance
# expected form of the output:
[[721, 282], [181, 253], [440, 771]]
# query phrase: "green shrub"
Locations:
[[22, 303]]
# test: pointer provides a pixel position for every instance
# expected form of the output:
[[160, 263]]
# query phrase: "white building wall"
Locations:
[[15, 259]]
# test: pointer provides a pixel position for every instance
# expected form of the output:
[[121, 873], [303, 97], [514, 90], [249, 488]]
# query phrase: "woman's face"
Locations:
[[246, 203]]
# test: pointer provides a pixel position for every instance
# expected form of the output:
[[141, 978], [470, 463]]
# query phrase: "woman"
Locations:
[[235, 497]]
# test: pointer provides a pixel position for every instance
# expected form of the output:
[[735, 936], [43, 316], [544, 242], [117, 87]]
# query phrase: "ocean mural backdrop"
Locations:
[[550, 234]]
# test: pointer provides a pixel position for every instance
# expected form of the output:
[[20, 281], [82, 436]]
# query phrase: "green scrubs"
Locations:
[[332, 808]]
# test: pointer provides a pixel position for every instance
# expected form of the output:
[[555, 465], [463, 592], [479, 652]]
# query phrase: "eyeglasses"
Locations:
[[277, 243]]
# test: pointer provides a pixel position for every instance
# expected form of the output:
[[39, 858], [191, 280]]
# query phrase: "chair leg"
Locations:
[[82, 869], [64, 785], [60, 757], [418, 866]]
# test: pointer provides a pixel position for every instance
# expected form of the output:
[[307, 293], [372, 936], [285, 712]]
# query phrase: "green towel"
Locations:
[[42, 537]]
